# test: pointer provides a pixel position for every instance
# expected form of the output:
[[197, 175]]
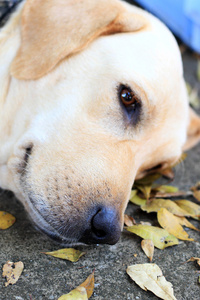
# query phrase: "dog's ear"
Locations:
[[52, 30], [193, 133]]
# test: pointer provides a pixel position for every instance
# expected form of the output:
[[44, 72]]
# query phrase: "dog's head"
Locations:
[[100, 100]]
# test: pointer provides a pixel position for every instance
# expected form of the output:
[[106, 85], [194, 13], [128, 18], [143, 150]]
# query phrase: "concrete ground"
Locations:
[[47, 278]]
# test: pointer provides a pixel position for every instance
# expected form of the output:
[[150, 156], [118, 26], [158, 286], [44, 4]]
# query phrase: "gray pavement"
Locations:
[[47, 278]]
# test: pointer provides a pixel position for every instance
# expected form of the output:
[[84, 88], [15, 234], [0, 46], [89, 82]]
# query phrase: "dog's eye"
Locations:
[[131, 104], [128, 98]]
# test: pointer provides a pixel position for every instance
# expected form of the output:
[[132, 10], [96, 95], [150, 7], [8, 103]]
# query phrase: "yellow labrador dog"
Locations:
[[92, 97]]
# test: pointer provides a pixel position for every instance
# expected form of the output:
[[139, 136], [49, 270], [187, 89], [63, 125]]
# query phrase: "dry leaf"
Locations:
[[148, 248], [88, 284], [150, 277], [184, 222], [197, 259], [83, 292], [77, 294], [6, 220], [128, 220], [196, 195], [170, 195], [135, 199], [168, 173], [147, 180], [166, 189], [12, 271], [145, 189], [145, 223], [198, 70], [67, 253], [196, 190], [170, 223], [160, 237], [155, 204], [191, 208]]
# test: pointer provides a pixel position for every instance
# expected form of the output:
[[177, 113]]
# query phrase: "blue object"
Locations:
[[181, 16]]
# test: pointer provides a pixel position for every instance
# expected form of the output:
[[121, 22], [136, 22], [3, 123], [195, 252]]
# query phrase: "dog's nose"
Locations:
[[104, 227]]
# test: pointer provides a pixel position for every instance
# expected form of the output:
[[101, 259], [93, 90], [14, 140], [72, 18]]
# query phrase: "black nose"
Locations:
[[104, 227]]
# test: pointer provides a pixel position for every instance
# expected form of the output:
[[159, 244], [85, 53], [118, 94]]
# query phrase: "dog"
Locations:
[[92, 98]]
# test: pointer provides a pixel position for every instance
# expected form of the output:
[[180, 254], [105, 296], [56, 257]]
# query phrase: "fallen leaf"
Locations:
[[148, 248], [12, 271], [184, 222], [135, 199], [198, 70], [145, 223], [196, 195], [196, 191], [6, 220], [88, 284], [155, 204], [147, 180], [197, 259], [128, 220], [170, 195], [150, 277], [145, 189], [191, 208], [168, 173], [83, 292], [66, 253], [166, 189], [77, 294], [170, 223], [160, 237], [193, 96]]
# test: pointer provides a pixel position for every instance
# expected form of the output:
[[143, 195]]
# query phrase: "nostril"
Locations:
[[100, 233]]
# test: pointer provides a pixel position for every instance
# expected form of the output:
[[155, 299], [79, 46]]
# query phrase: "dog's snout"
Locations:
[[104, 227]]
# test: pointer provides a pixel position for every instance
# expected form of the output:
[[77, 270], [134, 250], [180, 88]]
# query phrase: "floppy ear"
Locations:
[[193, 132], [54, 29]]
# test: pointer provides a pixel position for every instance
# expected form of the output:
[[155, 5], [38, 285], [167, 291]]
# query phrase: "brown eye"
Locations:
[[128, 98]]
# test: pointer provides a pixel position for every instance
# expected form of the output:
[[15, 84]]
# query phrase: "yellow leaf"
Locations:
[[83, 292], [197, 259], [88, 284], [128, 220], [170, 223], [196, 191], [66, 253], [160, 237], [12, 271], [155, 204], [166, 189], [148, 180], [137, 200], [150, 277], [168, 173], [77, 294], [184, 222], [191, 208], [6, 220], [196, 195], [148, 248], [145, 189], [133, 193], [198, 70]]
